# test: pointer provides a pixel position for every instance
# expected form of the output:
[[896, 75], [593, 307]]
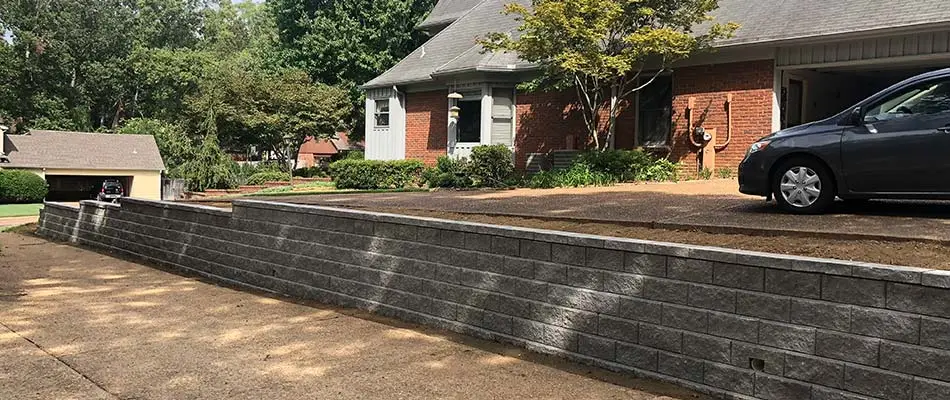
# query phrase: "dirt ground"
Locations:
[[76, 324]]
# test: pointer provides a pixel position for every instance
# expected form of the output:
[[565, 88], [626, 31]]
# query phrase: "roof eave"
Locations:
[[838, 36]]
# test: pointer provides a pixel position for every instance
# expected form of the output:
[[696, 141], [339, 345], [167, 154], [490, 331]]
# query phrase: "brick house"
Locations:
[[792, 62], [315, 152]]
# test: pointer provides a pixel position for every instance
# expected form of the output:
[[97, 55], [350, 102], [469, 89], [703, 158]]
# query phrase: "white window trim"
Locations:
[[389, 112], [485, 96]]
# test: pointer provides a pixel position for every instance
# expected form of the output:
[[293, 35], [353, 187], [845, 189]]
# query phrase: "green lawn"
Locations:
[[20, 210]]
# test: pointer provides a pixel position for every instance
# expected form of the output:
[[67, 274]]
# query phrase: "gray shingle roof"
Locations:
[[455, 49], [447, 11], [777, 20], [78, 150]]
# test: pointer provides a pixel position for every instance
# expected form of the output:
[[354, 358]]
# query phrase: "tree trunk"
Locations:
[[612, 116]]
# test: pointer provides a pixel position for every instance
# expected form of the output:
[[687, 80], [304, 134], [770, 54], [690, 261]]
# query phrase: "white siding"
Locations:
[[502, 117], [386, 143], [910, 46]]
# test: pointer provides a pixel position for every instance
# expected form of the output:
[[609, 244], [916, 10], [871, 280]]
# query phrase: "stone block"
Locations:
[[915, 360], [585, 278], [739, 276], [734, 327], [680, 366], [665, 290], [926, 389], [535, 250], [525, 288], [685, 318], [641, 310], [637, 356], [550, 272], [545, 334], [935, 332], [863, 292], [775, 388], [707, 347], [625, 284], [688, 269], [508, 305], [743, 355], [645, 264], [852, 348], [885, 324], [877, 383], [763, 305], [505, 246], [564, 317], [607, 259], [477, 242], [919, 299], [569, 254], [820, 314], [712, 298], [791, 283], [619, 329], [815, 370], [661, 338], [584, 299], [788, 337], [736, 380], [597, 347]]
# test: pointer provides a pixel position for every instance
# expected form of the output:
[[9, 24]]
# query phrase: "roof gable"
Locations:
[[79, 150], [446, 12]]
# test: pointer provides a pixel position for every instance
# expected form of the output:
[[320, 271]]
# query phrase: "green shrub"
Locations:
[[317, 171], [661, 170], [21, 187], [629, 165], [491, 166], [578, 175], [372, 174], [355, 155], [705, 174], [448, 173], [724, 173], [261, 178]]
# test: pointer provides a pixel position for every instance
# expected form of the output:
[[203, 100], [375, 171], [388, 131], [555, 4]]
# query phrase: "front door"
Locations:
[[904, 145]]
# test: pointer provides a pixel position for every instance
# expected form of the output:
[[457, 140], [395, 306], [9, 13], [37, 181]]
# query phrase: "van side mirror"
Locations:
[[856, 117]]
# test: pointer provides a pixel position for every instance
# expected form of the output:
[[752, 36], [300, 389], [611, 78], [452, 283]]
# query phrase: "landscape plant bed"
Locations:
[[903, 253]]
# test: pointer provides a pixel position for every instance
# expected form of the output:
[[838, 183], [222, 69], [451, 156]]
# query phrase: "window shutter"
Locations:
[[502, 114]]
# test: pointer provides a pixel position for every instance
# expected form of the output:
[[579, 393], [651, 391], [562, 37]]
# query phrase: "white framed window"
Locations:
[[381, 115]]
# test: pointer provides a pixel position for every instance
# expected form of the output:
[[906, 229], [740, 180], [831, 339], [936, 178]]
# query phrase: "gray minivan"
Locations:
[[893, 145]]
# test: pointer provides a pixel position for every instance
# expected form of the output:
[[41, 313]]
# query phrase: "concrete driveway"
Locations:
[[713, 204], [76, 324]]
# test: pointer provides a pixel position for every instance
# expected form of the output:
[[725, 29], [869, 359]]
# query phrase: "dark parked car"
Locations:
[[894, 145], [111, 191]]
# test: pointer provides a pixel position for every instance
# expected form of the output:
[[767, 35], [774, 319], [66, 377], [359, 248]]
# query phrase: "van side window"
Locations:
[[923, 99]]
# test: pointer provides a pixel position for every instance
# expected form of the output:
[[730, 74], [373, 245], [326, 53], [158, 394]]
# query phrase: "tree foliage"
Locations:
[[347, 42], [608, 49]]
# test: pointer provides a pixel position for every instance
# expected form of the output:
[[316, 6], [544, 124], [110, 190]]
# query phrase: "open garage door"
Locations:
[[814, 94], [72, 188]]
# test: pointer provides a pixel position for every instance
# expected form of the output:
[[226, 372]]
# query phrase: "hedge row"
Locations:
[[373, 174]]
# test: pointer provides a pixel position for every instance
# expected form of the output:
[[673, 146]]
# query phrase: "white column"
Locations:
[[486, 115], [776, 99]]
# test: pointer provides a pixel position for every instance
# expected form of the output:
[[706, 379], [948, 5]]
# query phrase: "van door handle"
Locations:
[[945, 129]]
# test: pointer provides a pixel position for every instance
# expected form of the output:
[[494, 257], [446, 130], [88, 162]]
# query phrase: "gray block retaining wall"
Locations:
[[726, 322]]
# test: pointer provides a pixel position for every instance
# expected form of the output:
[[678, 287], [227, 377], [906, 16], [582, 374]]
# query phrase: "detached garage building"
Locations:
[[76, 163]]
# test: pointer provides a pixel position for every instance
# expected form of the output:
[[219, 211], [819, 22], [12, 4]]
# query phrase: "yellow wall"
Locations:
[[145, 184]]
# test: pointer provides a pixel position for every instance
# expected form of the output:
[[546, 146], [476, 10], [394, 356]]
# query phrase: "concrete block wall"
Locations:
[[739, 325]]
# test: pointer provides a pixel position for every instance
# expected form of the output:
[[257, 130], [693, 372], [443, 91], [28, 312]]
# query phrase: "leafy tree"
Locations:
[[174, 144], [210, 168], [347, 42], [272, 111], [602, 48]]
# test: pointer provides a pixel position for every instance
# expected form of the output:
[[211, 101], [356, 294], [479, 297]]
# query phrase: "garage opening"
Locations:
[[71, 188], [814, 94]]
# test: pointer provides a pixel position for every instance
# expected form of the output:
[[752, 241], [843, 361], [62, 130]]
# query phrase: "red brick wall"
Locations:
[[751, 84], [550, 120], [427, 119]]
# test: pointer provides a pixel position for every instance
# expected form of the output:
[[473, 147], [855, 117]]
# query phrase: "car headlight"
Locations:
[[759, 146]]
